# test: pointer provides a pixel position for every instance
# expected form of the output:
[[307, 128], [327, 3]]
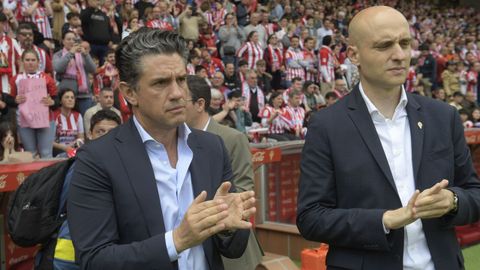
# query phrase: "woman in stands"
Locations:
[[251, 51], [35, 138], [273, 117], [69, 133], [73, 64]]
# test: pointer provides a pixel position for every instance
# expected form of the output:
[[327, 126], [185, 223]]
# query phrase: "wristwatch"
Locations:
[[455, 202]]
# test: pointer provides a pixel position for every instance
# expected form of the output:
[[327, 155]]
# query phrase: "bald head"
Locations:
[[372, 19]]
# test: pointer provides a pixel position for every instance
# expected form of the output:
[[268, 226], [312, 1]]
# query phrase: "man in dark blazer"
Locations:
[[151, 194], [385, 175]]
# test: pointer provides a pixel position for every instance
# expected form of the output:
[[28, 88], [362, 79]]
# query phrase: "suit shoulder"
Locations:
[[432, 105]]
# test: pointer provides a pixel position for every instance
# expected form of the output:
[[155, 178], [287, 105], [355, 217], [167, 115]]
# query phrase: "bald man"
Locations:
[[385, 175]]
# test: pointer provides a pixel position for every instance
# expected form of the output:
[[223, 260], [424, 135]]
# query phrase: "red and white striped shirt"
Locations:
[[39, 17], [251, 52], [8, 56], [327, 64], [294, 56], [295, 116], [274, 57], [190, 69], [311, 58], [67, 127], [159, 24], [411, 80], [270, 28], [472, 81], [279, 124], [45, 64]]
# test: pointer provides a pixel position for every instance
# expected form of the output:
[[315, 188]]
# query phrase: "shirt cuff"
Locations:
[[172, 251], [385, 229]]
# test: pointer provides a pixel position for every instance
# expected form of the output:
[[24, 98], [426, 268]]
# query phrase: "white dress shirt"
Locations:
[[396, 141], [175, 190]]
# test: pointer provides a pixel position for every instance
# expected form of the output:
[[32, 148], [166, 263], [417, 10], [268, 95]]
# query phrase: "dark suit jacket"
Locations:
[[114, 208], [346, 184]]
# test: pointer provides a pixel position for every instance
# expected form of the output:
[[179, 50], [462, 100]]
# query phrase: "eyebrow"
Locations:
[[388, 42]]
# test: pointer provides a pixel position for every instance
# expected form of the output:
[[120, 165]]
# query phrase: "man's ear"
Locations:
[[352, 54], [201, 105], [128, 93]]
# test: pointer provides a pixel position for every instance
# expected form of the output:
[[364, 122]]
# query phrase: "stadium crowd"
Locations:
[[270, 64]]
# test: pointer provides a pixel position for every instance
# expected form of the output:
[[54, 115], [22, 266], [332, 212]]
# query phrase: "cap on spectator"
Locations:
[[3, 17], [242, 62]]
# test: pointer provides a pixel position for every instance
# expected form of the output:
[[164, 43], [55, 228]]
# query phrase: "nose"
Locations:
[[400, 53], [177, 91]]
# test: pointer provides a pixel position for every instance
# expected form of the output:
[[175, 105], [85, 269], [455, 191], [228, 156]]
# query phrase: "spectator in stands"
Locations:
[[295, 114], [37, 140], [251, 50], [217, 83], [242, 117], [311, 59], [273, 56], [475, 117], [439, 94], [428, 68], [105, 102], [470, 101], [74, 24], [8, 143], [107, 75], [451, 78], [257, 27], [132, 26], [243, 11], [231, 37], [232, 80], [73, 64], [6, 101], [294, 61], [264, 78], [457, 99], [58, 9], [8, 56], [189, 22], [212, 64], [97, 29], [327, 65], [115, 21], [141, 5], [69, 131], [340, 87], [297, 84], [331, 98], [37, 12], [325, 30], [273, 117], [25, 39], [313, 100], [254, 97], [216, 103]]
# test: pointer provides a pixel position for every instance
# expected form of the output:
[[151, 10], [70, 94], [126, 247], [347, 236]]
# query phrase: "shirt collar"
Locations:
[[183, 132], [206, 125], [372, 109]]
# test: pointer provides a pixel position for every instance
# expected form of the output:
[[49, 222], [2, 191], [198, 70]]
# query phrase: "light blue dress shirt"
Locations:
[[175, 190]]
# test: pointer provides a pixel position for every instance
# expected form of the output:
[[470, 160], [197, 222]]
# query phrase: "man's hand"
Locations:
[[399, 218], [434, 202], [200, 222], [240, 207]]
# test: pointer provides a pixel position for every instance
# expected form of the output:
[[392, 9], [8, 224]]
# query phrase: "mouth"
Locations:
[[176, 109], [397, 70]]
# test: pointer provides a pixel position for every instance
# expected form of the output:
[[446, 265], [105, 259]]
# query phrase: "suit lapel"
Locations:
[[362, 120], [199, 168], [416, 121], [140, 174]]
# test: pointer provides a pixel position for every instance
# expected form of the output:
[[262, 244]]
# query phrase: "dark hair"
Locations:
[[330, 95], [463, 111], [104, 115], [62, 92], [327, 40], [24, 26], [143, 43], [270, 37], [5, 127], [199, 68], [273, 96], [295, 79], [242, 62], [457, 94], [64, 34], [307, 39], [250, 35], [199, 88], [72, 15], [106, 89], [307, 84], [234, 94]]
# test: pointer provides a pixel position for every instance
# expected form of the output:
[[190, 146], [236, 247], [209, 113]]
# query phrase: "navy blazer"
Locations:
[[346, 184], [114, 209]]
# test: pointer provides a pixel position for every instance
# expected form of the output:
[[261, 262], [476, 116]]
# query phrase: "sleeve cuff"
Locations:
[[172, 251], [387, 231]]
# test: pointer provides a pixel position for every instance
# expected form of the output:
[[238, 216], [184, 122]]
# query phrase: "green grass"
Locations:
[[471, 255]]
